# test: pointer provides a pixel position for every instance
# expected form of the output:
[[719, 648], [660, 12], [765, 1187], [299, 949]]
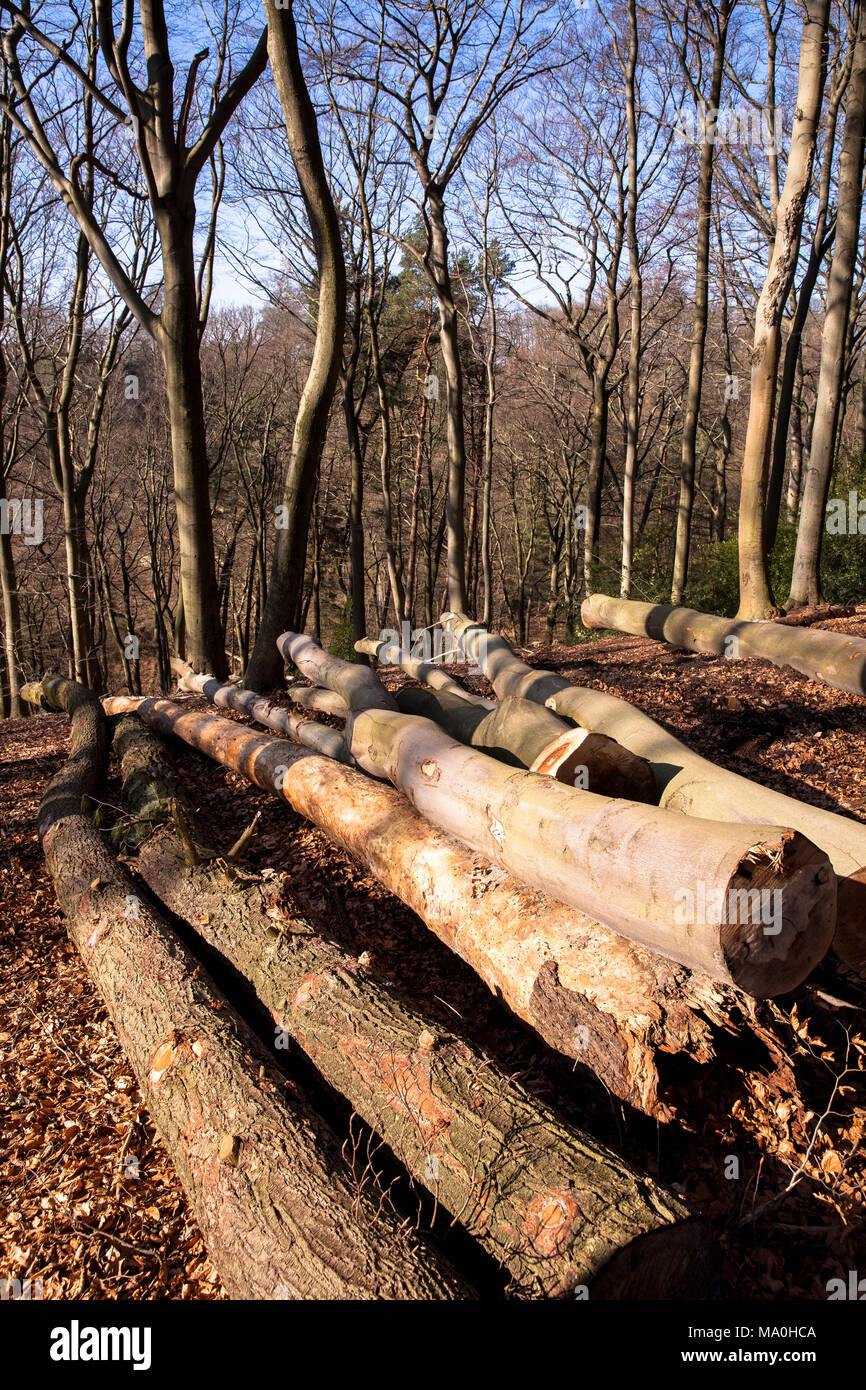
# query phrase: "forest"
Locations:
[[447, 417]]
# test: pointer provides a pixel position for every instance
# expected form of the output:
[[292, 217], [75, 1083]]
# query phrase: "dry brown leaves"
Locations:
[[89, 1203], [785, 1100]]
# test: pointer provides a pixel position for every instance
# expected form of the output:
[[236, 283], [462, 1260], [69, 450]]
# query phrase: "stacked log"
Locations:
[[228, 696], [686, 781], [553, 1206], [696, 891], [278, 1208], [591, 995]]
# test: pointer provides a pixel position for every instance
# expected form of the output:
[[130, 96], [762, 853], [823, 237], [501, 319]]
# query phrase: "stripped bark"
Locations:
[[693, 890], [549, 1203], [686, 781], [590, 994], [278, 1209]]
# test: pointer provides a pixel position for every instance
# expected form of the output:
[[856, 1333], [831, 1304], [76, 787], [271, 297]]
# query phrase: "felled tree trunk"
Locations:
[[831, 657], [590, 994], [549, 1203], [699, 892], [427, 672], [686, 781], [524, 734], [306, 731], [278, 1209], [311, 697]]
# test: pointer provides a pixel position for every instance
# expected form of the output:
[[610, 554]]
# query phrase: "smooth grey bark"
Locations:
[[806, 576], [285, 589], [699, 323], [756, 595]]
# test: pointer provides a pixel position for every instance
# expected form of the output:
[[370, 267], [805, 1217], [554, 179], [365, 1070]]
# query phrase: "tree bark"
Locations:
[[806, 576], [283, 603], [178, 337], [831, 657], [756, 597], [544, 1200], [686, 781], [613, 859], [601, 1000], [279, 1212]]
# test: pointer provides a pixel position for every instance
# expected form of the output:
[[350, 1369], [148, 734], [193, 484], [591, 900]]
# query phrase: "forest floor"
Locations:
[[764, 1141]]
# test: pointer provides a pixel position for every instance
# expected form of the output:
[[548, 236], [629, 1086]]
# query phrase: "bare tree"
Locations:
[[806, 577], [285, 589], [756, 596], [172, 156], [714, 20]]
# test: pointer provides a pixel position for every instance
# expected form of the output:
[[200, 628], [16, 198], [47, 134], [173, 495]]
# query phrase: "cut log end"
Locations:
[[598, 764], [780, 916]]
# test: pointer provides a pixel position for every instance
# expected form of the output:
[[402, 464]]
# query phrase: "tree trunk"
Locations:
[[756, 597], [449, 346], [178, 339], [795, 472], [306, 731], [831, 657], [699, 322], [806, 576], [632, 425], [595, 477], [11, 614], [686, 781], [280, 1214], [649, 875], [283, 603], [542, 1199], [588, 993], [524, 734], [356, 513]]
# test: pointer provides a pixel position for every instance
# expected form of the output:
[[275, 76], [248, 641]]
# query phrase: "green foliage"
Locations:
[[714, 579], [342, 642]]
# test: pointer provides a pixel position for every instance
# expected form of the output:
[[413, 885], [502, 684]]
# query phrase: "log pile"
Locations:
[[275, 1200], [687, 782], [607, 884], [688, 889], [548, 1203], [590, 994]]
